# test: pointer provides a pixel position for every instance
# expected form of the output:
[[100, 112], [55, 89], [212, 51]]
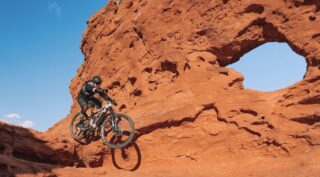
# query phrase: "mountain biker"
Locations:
[[86, 94]]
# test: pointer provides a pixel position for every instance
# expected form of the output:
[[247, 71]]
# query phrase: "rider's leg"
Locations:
[[84, 107], [92, 102], [96, 102]]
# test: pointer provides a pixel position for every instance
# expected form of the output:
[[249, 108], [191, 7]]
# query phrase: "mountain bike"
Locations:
[[116, 129]]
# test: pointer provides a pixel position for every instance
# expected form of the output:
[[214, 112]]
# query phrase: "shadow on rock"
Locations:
[[127, 158]]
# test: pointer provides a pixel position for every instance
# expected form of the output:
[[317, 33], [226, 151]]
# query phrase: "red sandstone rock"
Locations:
[[164, 61]]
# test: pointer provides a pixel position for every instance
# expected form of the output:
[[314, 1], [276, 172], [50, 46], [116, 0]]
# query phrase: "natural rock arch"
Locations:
[[257, 33]]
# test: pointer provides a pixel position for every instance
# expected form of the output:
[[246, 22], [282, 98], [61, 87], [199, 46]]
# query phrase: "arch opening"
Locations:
[[271, 66]]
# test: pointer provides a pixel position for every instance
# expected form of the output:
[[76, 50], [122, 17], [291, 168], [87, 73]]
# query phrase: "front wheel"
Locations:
[[120, 134]]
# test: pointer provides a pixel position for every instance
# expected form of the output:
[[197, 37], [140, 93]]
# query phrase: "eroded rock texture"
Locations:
[[164, 61]]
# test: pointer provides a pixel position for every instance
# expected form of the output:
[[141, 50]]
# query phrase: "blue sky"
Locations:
[[270, 67], [39, 55]]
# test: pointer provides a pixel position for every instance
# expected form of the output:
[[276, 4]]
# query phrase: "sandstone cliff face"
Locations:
[[164, 61]]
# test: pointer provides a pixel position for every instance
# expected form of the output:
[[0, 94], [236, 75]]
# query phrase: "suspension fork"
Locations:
[[112, 119], [114, 124]]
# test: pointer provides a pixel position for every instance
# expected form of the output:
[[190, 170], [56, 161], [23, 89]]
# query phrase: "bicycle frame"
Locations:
[[107, 108]]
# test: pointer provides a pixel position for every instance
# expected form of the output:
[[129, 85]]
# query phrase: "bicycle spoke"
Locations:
[[120, 134], [77, 127]]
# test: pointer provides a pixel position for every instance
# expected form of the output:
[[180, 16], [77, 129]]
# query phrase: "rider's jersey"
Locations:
[[88, 90]]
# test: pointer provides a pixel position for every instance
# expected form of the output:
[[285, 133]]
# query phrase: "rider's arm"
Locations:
[[103, 94], [89, 87]]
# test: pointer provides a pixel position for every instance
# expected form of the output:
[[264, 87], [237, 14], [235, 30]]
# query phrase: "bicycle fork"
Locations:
[[115, 126]]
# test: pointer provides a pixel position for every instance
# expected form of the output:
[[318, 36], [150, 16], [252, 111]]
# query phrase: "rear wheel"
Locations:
[[121, 134], [78, 127]]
